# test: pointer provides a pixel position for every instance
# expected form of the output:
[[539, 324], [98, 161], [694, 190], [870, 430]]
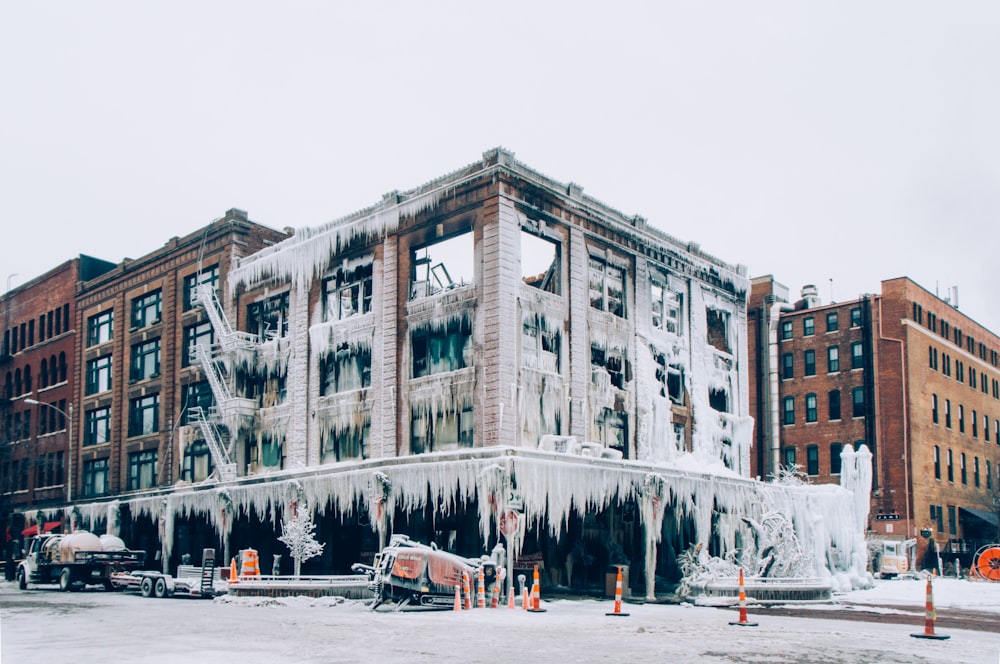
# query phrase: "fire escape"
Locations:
[[218, 423]]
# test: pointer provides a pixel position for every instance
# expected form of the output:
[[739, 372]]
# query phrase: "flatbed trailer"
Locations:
[[195, 582]]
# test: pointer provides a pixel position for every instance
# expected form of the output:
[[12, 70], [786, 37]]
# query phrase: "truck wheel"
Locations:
[[146, 587], [66, 579], [22, 579], [161, 588]]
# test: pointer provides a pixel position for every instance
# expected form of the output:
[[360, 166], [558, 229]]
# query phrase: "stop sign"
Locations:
[[508, 522]]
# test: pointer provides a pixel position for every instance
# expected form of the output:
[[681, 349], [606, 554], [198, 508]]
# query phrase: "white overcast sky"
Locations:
[[834, 143]]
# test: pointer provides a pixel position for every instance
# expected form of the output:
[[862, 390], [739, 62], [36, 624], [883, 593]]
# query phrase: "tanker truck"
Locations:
[[76, 560]]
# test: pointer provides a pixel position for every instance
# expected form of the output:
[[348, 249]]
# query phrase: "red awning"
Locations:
[[33, 530]]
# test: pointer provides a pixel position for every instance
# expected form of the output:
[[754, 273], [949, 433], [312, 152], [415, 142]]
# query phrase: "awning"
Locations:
[[33, 530], [984, 515]]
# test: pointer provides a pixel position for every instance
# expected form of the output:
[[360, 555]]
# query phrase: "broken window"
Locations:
[[666, 307], [612, 362], [345, 444], [718, 400], [444, 431], [266, 454], [197, 463], [718, 329], [344, 369], [348, 292], [540, 263], [441, 266], [539, 345], [670, 378], [607, 287], [268, 318], [613, 426], [437, 349]]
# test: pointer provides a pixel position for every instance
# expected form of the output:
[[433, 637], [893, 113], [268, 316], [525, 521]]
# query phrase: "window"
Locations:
[[268, 318], [932, 357], [429, 276], [832, 322], [934, 408], [100, 327], [972, 378], [937, 462], [952, 521], [835, 450], [858, 402], [810, 363], [439, 349], [946, 361], [348, 291], [961, 467], [96, 426], [986, 428], [145, 360], [834, 404], [718, 329], [208, 276], [142, 470], [666, 308], [918, 313], [811, 408], [808, 326], [345, 368], [197, 463], [144, 415], [199, 334], [442, 431], [788, 454], [196, 395], [540, 262], [812, 460], [975, 424], [975, 471], [540, 347], [789, 410], [959, 371], [947, 413], [833, 359], [95, 478], [857, 355], [786, 329], [611, 363], [961, 418], [856, 317], [607, 287], [99, 375], [951, 468], [787, 366], [146, 309], [989, 475], [349, 443]]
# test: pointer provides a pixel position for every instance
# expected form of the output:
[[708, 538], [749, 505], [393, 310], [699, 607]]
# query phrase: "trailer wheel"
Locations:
[[22, 579], [146, 587], [66, 579], [161, 588]]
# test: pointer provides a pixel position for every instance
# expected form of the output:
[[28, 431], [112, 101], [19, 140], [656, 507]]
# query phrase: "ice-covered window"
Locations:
[[348, 291], [146, 309], [346, 368], [142, 470], [670, 378], [268, 318], [441, 348], [99, 327], [197, 463], [540, 346], [447, 430], [442, 265], [718, 329], [718, 400], [270, 451], [192, 281], [613, 363], [196, 395], [613, 426], [346, 444], [666, 306], [607, 287], [540, 263]]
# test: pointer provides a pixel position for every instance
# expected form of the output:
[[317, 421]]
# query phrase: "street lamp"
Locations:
[[69, 464]]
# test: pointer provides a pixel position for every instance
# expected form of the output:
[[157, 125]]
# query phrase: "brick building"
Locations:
[[36, 363], [904, 372]]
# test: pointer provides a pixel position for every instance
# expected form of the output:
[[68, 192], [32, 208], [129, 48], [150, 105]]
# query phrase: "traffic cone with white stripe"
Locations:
[[481, 591], [618, 596], [929, 617], [743, 622], [232, 572], [536, 592], [468, 591]]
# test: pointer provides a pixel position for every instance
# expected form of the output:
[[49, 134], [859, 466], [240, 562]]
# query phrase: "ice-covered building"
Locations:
[[490, 357]]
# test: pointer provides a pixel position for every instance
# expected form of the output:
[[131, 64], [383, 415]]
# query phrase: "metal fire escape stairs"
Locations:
[[228, 408]]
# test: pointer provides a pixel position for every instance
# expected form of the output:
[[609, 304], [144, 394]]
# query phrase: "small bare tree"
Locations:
[[297, 534]]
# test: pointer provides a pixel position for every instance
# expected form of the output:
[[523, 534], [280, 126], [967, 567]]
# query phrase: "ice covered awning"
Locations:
[[33, 530]]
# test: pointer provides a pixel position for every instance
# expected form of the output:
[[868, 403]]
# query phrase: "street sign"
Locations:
[[514, 501], [887, 517]]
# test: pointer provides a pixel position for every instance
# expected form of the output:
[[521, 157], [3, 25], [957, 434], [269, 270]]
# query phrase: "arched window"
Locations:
[[43, 375], [62, 367], [17, 382], [53, 371]]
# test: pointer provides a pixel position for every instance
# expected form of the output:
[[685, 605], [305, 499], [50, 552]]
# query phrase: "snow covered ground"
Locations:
[[98, 626]]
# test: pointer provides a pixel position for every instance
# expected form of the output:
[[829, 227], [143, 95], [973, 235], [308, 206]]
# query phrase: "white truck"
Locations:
[[75, 560]]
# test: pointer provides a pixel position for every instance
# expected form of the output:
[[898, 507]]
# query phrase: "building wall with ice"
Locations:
[[492, 306]]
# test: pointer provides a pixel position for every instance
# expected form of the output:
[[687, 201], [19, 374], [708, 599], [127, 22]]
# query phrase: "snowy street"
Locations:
[[96, 625]]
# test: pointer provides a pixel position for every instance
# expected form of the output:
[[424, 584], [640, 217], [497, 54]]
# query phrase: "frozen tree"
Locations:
[[297, 534]]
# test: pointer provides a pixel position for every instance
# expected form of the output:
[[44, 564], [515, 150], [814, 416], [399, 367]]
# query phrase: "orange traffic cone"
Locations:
[[743, 622], [232, 572], [468, 590], [510, 599], [525, 599], [618, 596], [458, 598], [536, 591], [481, 591], [929, 617]]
